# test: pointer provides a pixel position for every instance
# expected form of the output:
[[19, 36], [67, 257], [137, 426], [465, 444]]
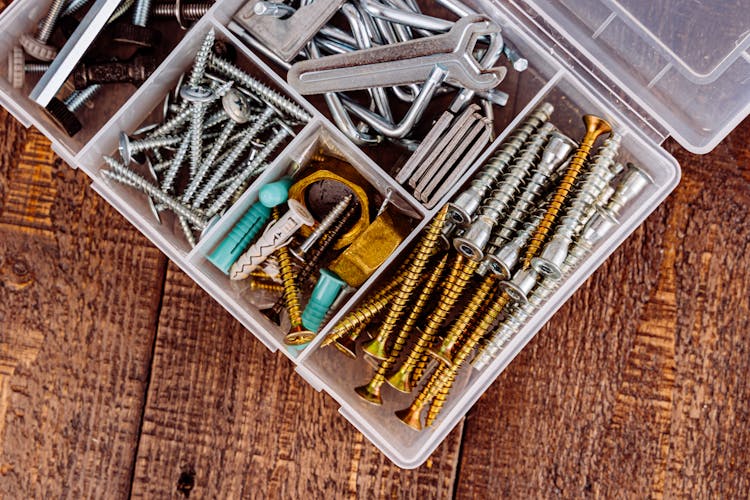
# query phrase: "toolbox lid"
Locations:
[[685, 63]]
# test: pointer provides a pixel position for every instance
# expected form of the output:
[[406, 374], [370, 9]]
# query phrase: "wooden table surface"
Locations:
[[119, 376]]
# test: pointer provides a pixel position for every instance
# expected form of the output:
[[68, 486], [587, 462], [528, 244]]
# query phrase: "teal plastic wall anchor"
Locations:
[[275, 193], [239, 238], [326, 290]]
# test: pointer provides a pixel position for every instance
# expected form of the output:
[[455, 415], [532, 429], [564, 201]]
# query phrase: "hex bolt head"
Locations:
[[36, 49], [63, 117]]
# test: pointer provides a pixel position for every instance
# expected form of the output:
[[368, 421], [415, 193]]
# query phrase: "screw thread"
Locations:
[[440, 398], [265, 93], [188, 12], [563, 188], [48, 23], [291, 293], [332, 216], [171, 174], [208, 162], [425, 249], [141, 12], [172, 124], [154, 143], [73, 7], [248, 135], [80, 97], [201, 59], [266, 286], [35, 67]]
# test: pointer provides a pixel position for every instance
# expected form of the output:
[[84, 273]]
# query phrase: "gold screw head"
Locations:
[[371, 392], [596, 126], [298, 336], [411, 416]]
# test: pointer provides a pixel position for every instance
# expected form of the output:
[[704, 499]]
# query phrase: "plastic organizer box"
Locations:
[[651, 68]]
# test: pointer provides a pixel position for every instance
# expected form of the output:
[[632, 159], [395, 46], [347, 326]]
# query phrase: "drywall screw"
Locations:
[[171, 175], [267, 286], [187, 231], [473, 241], [63, 111], [127, 148], [126, 176], [440, 398], [371, 391], [181, 11], [553, 254], [323, 226], [595, 127], [236, 107], [251, 168], [201, 59], [465, 205], [459, 274], [418, 263], [267, 94], [199, 98], [347, 344], [248, 136], [37, 46], [441, 377], [444, 352], [135, 70], [555, 152], [173, 123]]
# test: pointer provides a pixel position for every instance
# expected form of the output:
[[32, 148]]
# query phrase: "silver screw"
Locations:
[[324, 226], [267, 94], [461, 210], [250, 169], [201, 59], [74, 6], [549, 262], [248, 135], [124, 175], [472, 243], [141, 12], [174, 167], [558, 148], [128, 148], [78, 98]]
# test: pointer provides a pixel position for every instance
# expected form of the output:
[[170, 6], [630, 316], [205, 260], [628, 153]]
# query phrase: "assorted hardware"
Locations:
[[392, 51], [532, 217], [81, 58], [229, 118]]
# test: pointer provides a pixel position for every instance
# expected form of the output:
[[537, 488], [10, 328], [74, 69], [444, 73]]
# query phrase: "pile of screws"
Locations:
[[88, 78], [529, 218], [208, 151], [397, 54]]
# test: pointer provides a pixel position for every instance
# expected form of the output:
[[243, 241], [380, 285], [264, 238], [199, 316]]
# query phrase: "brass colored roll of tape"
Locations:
[[345, 177]]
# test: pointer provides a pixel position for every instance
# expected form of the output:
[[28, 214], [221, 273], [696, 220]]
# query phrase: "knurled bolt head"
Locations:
[[63, 117], [37, 49], [16, 71], [136, 35]]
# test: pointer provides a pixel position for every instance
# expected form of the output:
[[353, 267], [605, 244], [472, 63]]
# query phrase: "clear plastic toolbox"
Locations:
[[652, 69]]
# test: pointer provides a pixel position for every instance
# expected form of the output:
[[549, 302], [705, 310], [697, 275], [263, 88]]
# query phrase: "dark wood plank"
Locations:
[[75, 337], [638, 385], [225, 418]]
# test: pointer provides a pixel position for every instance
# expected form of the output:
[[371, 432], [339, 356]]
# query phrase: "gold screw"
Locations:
[[440, 398], [411, 415], [291, 294], [413, 275], [595, 127], [371, 391], [269, 286], [348, 344], [458, 278], [445, 350]]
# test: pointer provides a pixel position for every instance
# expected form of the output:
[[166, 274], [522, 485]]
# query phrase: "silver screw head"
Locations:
[[196, 94], [558, 148], [236, 105], [473, 241], [460, 210], [505, 259], [124, 148], [598, 226], [522, 283], [550, 261]]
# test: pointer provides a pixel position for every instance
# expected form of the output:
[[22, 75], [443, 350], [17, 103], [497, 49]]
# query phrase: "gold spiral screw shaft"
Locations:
[[268, 286], [461, 271], [411, 415], [595, 127], [371, 391], [444, 352], [440, 398], [413, 274], [348, 344]]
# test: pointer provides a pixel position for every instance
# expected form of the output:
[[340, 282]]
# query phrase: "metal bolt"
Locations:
[[465, 205], [63, 111], [74, 6], [134, 71], [324, 225], [37, 46], [181, 11]]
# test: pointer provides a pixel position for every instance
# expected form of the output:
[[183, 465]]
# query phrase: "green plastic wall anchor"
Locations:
[[239, 238], [326, 290]]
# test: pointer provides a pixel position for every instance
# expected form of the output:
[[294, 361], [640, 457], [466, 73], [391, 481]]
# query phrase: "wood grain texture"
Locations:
[[637, 387], [226, 418], [75, 337]]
